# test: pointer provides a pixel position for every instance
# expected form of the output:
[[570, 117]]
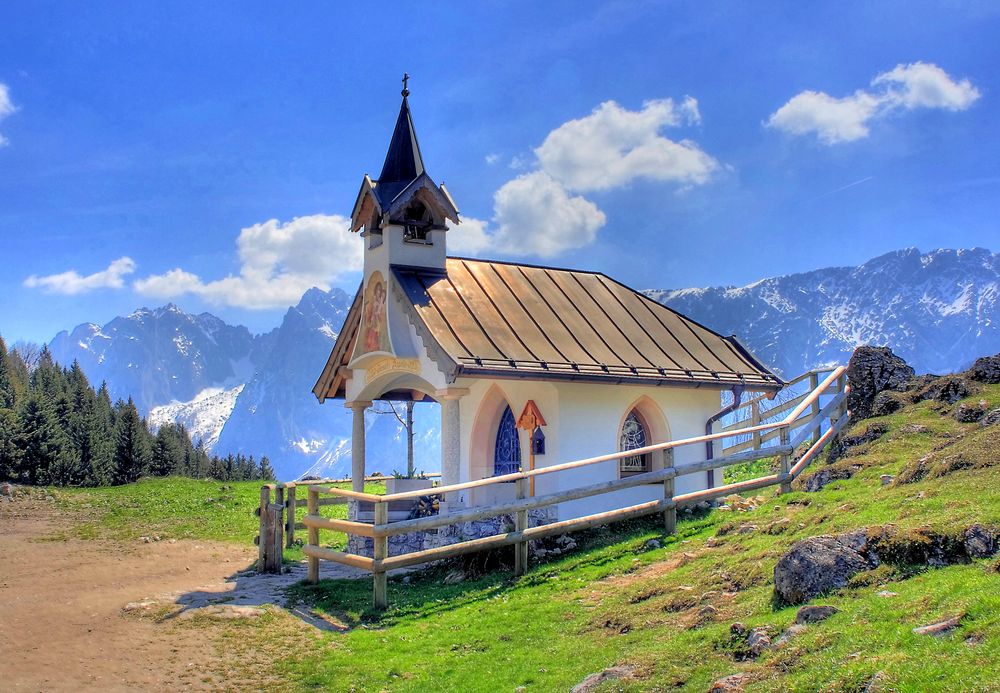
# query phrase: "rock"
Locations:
[[594, 680], [454, 577], [886, 593], [816, 481], [704, 505], [7, 490], [886, 403], [140, 607], [225, 612], [947, 389], [843, 443], [992, 417], [986, 369], [790, 633], [886, 479], [939, 628], [870, 371], [814, 614], [979, 542], [652, 544], [730, 684], [913, 429], [407, 580], [707, 612], [819, 564], [738, 629], [968, 413], [758, 640], [746, 528]]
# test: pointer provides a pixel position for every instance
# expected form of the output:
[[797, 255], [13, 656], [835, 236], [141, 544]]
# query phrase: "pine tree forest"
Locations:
[[56, 429]]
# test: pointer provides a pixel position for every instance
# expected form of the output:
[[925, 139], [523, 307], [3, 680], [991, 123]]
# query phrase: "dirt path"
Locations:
[[62, 623]]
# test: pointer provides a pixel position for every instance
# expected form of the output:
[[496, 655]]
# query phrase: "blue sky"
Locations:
[[206, 153]]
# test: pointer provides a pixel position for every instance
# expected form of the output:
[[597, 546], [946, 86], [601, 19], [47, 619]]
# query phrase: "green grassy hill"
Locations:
[[663, 606]]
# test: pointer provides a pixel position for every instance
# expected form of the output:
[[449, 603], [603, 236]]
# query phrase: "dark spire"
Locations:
[[403, 162]]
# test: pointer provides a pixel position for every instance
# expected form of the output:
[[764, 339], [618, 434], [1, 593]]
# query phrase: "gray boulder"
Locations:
[[814, 614], [986, 369], [979, 541], [817, 565], [870, 371]]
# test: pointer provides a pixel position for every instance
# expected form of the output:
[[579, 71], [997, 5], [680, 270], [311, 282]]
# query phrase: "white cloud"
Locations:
[[925, 85], [832, 120], [492, 159], [532, 215], [6, 108], [72, 282], [469, 238], [906, 87], [535, 215], [278, 263], [613, 145]]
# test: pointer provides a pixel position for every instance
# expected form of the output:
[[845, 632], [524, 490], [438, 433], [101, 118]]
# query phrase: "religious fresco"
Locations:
[[374, 320]]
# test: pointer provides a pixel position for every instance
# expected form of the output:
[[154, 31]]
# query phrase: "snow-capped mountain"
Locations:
[[938, 310], [203, 417], [240, 392], [163, 355]]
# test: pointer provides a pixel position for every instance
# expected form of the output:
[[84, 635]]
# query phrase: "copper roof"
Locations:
[[498, 319]]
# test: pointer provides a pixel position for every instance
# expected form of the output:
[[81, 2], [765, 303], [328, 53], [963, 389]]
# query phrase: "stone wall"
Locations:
[[450, 534]]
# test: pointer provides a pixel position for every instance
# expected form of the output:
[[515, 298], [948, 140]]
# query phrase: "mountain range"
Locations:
[[240, 392]]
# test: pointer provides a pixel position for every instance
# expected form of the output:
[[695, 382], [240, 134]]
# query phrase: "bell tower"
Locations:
[[402, 219], [402, 214]]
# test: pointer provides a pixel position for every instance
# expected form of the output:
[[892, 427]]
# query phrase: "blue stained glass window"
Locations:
[[634, 436], [507, 453]]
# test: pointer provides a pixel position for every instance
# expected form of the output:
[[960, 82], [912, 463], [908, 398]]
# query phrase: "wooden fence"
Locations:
[[752, 431]]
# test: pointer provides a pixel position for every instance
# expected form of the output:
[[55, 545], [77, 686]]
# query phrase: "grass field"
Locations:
[[619, 600]]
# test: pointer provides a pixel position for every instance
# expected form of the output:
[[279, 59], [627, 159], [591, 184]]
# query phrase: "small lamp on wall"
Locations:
[[538, 442]]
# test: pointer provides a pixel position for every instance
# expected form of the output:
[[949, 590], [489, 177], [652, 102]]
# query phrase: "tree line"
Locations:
[[56, 429]]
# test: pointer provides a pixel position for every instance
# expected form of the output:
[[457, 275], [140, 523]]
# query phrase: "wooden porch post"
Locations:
[[451, 440], [358, 445]]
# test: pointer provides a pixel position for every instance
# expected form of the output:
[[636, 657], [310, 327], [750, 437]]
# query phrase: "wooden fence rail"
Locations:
[[802, 426]]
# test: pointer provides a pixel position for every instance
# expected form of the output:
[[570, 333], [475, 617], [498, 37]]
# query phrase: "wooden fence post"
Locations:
[[842, 387], [813, 384], [264, 533], [290, 516], [521, 524], [786, 463], [379, 553], [669, 515], [312, 508], [755, 421]]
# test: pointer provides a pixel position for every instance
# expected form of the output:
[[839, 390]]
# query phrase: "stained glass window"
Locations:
[[634, 435], [507, 453]]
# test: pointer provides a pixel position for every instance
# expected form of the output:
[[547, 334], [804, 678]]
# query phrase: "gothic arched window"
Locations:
[[507, 452], [634, 435]]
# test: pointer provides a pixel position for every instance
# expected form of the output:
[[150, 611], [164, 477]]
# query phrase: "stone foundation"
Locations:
[[450, 534]]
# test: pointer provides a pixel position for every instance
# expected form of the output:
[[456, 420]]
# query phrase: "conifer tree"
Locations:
[[7, 391], [10, 453], [44, 447], [266, 472], [132, 448], [168, 455]]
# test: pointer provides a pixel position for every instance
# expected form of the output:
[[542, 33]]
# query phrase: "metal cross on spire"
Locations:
[[406, 90]]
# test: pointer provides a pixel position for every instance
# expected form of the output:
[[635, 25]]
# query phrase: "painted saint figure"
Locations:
[[376, 334]]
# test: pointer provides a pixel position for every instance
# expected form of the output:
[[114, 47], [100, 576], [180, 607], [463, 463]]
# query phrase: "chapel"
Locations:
[[531, 365]]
